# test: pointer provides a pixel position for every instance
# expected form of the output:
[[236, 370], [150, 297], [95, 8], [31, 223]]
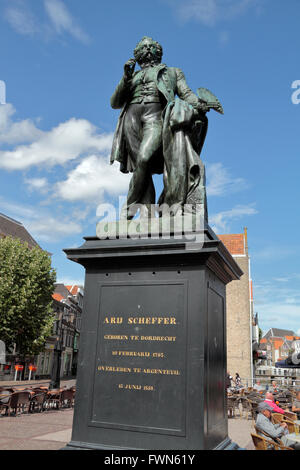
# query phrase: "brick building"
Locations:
[[242, 328]]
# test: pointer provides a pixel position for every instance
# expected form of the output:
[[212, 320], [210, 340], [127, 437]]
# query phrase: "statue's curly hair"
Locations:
[[139, 45]]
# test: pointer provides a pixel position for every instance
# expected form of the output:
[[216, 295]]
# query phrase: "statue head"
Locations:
[[148, 51]]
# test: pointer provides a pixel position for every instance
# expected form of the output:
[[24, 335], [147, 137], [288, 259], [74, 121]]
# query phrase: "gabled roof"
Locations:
[[15, 229], [61, 290], [73, 289], [279, 333], [235, 243]]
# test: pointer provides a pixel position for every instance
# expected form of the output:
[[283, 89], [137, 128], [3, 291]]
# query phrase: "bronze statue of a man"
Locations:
[[157, 132]]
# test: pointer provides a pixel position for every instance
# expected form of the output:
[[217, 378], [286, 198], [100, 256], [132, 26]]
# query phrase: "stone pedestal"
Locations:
[[152, 359]]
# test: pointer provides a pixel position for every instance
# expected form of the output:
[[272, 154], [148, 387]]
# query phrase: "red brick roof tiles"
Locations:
[[57, 297], [235, 243]]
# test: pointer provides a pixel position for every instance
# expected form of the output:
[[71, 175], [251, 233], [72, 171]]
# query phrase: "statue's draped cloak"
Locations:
[[183, 137]]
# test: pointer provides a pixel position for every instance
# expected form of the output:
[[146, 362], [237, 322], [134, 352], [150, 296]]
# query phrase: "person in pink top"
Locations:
[[270, 400]]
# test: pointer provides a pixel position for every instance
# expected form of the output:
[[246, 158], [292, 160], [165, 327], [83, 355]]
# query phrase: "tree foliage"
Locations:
[[26, 287]]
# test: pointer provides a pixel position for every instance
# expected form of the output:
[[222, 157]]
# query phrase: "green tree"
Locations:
[[26, 287]]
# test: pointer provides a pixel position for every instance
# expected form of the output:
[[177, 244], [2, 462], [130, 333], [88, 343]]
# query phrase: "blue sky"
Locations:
[[61, 60]]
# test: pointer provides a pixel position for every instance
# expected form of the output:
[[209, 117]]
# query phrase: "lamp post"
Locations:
[[55, 375], [59, 347]]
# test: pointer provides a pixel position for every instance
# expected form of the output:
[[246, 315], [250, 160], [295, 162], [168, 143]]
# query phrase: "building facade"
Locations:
[[67, 306], [276, 345], [242, 324], [64, 341]]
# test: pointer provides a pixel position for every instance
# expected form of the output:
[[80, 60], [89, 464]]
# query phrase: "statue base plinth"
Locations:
[[152, 359]]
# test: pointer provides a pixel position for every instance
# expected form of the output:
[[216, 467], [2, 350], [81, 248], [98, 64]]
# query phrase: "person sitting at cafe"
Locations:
[[269, 399], [258, 387], [296, 404], [264, 425], [271, 431], [274, 388]]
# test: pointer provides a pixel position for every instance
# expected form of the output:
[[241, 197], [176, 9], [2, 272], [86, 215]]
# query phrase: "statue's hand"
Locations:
[[129, 68], [202, 106]]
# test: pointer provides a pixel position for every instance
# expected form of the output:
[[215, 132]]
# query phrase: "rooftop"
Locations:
[[12, 228], [279, 333], [235, 243]]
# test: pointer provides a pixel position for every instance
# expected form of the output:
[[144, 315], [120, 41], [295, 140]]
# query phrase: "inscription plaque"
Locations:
[[139, 378]]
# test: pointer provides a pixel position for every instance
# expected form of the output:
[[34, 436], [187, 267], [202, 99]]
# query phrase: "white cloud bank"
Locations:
[[91, 179], [14, 132], [63, 21], [60, 21], [65, 142], [41, 223]]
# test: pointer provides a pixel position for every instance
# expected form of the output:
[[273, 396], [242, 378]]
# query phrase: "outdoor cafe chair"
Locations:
[[67, 398], [261, 443], [292, 427], [38, 400], [231, 406], [53, 398], [5, 399], [277, 418], [290, 415], [19, 402], [246, 407], [254, 405]]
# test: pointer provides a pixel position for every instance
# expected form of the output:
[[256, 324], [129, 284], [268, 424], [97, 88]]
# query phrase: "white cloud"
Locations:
[[59, 20], [37, 184], [220, 222], [16, 132], [52, 229], [63, 21], [21, 18], [41, 224], [210, 12], [91, 179], [63, 143], [220, 182]]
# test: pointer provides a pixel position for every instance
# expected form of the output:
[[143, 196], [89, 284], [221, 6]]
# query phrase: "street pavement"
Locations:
[[239, 432], [52, 429], [49, 430]]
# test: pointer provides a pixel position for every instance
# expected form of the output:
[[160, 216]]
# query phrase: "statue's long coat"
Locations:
[[183, 138]]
